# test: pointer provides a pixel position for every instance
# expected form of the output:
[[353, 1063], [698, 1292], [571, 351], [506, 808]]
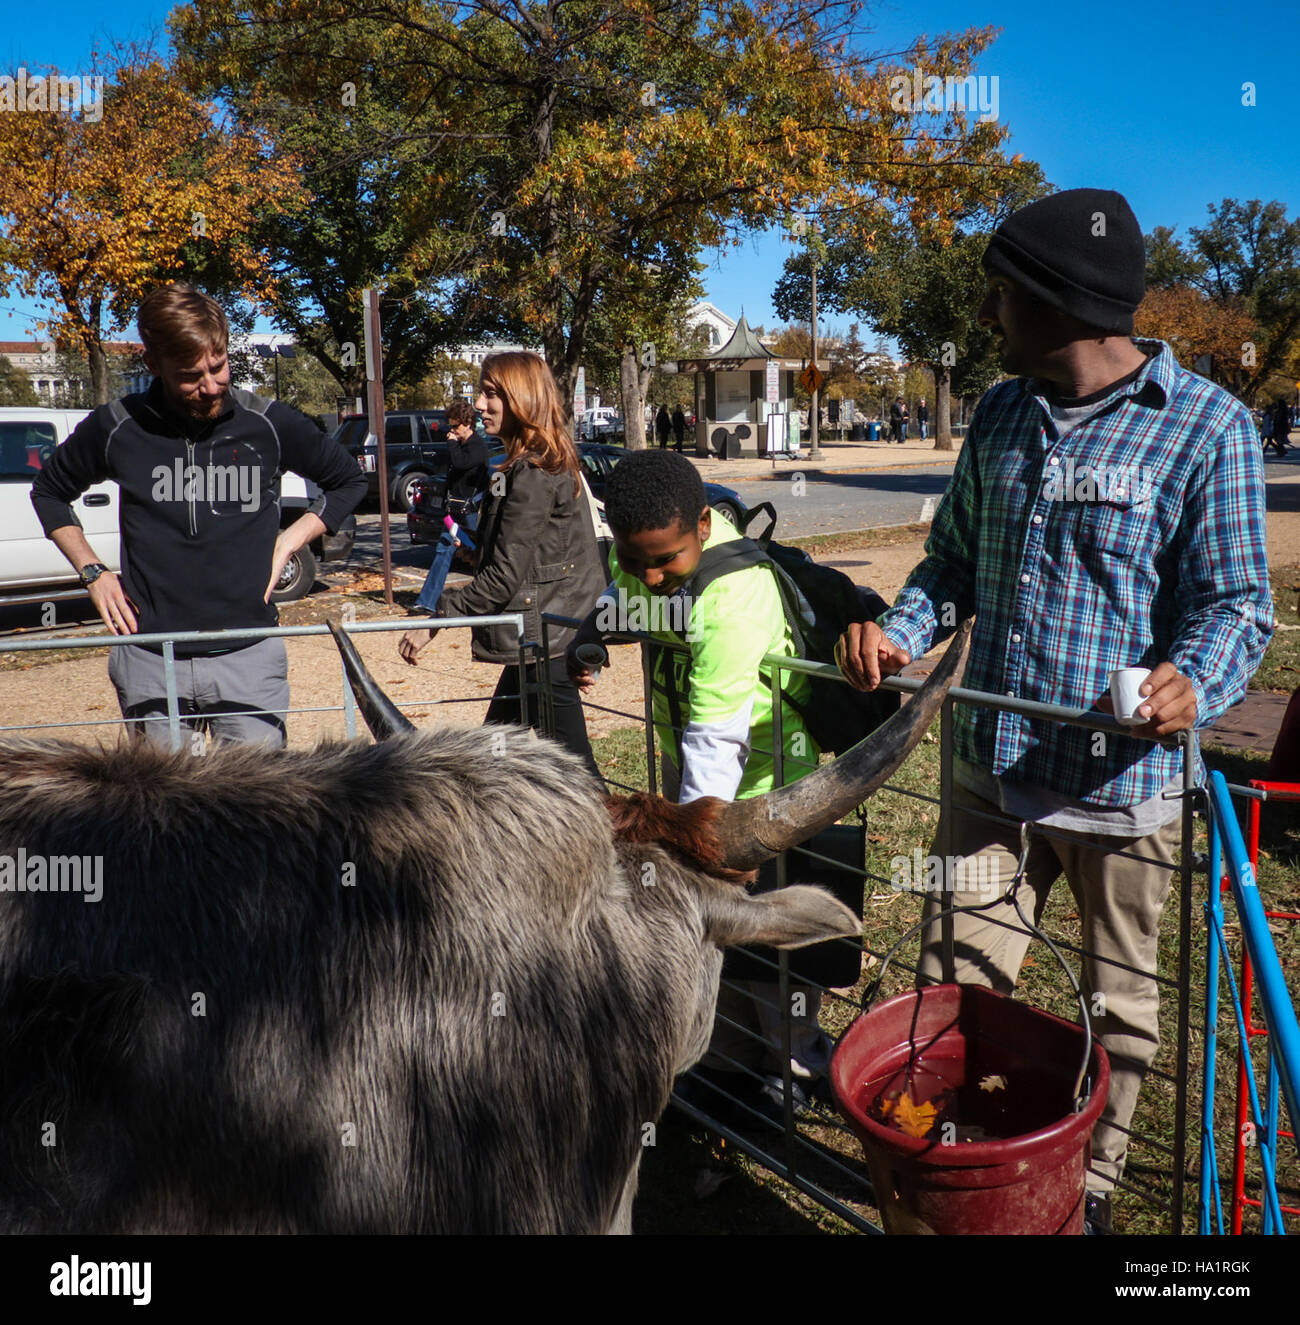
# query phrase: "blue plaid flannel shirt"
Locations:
[[1135, 539]]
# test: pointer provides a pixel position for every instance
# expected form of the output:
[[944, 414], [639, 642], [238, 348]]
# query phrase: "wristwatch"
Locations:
[[91, 571]]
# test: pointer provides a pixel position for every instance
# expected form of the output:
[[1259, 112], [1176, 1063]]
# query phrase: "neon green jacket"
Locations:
[[723, 695]]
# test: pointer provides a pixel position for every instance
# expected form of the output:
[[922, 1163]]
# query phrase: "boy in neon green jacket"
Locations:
[[712, 700]]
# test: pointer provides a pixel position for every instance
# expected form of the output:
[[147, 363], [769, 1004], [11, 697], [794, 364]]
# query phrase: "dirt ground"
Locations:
[[447, 687]]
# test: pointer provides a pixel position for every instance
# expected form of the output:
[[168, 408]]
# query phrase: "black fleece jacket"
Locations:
[[200, 510]]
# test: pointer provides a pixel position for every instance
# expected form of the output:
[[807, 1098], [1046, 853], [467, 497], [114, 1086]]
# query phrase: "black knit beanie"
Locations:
[[1080, 251]]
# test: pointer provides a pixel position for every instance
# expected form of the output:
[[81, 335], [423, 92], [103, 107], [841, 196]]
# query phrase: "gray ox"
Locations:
[[424, 985]]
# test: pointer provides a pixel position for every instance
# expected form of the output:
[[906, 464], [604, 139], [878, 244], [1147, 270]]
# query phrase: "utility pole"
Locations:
[[814, 450], [375, 396]]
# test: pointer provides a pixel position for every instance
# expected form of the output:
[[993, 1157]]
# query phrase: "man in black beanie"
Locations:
[[1106, 511]]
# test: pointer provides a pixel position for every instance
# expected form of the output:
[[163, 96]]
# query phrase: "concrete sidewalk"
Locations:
[[837, 458]]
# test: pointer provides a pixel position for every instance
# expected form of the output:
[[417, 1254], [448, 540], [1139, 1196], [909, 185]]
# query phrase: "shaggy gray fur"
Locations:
[[485, 883]]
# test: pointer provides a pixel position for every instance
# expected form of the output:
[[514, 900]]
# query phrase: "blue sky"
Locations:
[[1139, 98]]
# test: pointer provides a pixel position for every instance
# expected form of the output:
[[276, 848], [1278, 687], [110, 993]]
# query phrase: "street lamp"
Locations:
[[276, 352]]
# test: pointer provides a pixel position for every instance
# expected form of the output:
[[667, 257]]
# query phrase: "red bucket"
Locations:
[[1005, 1151]]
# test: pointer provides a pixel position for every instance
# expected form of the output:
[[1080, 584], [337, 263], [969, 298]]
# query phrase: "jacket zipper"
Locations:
[[189, 452]]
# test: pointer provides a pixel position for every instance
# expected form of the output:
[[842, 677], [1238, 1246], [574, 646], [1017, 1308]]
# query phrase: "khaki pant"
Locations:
[[1119, 903]]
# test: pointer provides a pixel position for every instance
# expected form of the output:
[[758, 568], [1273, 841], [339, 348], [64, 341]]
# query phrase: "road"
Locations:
[[836, 503]]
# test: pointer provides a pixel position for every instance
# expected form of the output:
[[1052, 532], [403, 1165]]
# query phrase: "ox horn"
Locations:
[[382, 716], [752, 831]]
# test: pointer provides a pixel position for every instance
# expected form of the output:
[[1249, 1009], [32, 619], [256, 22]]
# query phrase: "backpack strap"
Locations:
[[764, 508], [740, 554]]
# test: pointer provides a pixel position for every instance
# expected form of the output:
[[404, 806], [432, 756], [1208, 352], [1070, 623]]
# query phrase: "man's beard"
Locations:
[[202, 412]]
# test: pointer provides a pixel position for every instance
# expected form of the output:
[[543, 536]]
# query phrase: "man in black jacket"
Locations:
[[198, 466]]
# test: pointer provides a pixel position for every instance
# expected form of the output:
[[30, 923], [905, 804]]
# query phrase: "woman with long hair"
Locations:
[[536, 545]]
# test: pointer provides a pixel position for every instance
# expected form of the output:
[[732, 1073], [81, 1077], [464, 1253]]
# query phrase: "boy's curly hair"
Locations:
[[653, 490]]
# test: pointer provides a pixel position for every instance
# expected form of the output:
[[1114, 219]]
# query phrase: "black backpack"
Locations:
[[836, 715]]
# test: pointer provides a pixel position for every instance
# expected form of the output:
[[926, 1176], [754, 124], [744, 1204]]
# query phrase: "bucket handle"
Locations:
[[1082, 1082]]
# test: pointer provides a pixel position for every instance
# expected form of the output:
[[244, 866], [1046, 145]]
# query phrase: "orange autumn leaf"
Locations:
[[910, 1119]]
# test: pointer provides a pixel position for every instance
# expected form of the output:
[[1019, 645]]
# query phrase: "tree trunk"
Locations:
[[98, 362], [942, 407], [633, 383]]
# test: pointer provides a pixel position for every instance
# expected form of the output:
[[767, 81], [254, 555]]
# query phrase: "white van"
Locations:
[[32, 569]]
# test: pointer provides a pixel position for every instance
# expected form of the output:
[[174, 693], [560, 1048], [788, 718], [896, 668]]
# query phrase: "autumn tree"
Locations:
[[1245, 264], [382, 214], [563, 153], [94, 214], [1205, 334], [920, 287]]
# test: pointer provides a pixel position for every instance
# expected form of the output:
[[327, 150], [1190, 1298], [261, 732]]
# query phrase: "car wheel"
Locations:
[[404, 490], [297, 577], [730, 512]]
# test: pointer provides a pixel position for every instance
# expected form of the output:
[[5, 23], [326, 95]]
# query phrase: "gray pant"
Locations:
[[238, 696]]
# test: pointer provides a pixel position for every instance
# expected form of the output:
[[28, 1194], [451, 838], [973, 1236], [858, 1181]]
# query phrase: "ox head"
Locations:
[[729, 839]]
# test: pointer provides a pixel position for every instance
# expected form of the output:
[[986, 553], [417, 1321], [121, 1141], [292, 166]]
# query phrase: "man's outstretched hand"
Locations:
[[865, 654]]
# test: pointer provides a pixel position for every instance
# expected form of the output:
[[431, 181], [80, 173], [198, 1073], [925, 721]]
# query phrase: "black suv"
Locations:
[[415, 446]]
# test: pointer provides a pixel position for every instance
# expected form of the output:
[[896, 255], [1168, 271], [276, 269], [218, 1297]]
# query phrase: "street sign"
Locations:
[[580, 394], [812, 378], [773, 381]]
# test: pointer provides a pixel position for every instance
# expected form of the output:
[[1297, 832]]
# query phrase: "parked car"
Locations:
[[602, 421], [32, 568], [415, 446], [424, 521]]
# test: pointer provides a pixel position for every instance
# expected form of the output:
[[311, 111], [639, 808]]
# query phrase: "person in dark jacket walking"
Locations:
[[198, 466], [537, 546], [467, 480], [663, 426], [898, 420], [923, 418], [1279, 417], [679, 428]]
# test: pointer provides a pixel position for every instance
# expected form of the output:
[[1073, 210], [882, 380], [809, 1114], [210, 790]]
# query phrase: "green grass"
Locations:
[[1280, 670], [751, 1199]]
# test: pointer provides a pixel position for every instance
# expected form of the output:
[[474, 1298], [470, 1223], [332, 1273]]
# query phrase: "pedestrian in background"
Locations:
[[923, 417], [467, 480], [663, 426], [898, 419], [679, 427]]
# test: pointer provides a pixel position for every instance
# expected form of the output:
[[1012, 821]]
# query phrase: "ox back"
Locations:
[[409, 987]]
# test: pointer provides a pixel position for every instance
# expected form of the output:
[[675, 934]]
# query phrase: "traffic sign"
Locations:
[[812, 378]]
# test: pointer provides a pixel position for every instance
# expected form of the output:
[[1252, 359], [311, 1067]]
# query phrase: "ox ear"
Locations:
[[787, 918]]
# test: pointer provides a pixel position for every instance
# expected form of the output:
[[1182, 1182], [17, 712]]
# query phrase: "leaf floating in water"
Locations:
[[910, 1119], [992, 1082]]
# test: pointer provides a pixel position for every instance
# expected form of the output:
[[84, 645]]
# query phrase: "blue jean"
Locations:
[[442, 555]]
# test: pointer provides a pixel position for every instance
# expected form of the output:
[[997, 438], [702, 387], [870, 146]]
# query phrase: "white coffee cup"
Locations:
[[593, 657], [1124, 694]]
